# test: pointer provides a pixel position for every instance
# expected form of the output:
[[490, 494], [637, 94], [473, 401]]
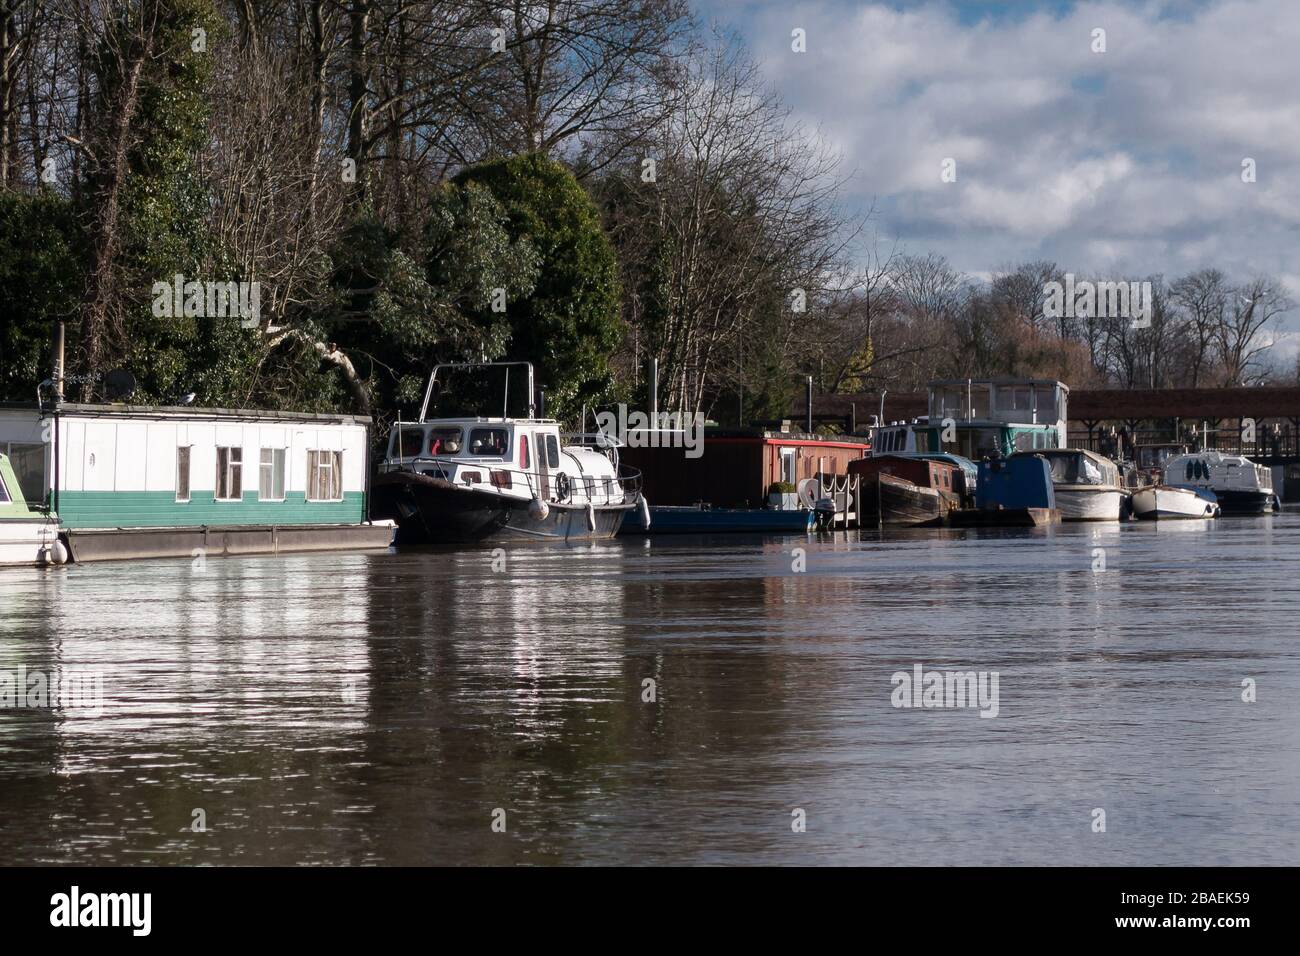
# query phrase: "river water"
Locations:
[[678, 700]]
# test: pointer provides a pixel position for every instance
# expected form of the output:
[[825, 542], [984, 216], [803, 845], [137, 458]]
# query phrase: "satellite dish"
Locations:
[[119, 385]]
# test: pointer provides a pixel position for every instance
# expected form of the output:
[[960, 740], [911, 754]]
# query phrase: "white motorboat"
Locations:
[[26, 536], [1086, 485], [470, 478], [1164, 502], [1240, 485]]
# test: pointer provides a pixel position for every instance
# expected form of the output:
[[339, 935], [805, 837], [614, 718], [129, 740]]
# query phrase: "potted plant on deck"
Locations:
[[781, 496]]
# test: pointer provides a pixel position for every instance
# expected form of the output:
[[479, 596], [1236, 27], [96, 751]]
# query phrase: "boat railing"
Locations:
[[622, 488]]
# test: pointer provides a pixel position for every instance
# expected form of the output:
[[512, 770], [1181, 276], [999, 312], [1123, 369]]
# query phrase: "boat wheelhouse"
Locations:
[[1240, 485], [1086, 485], [970, 420], [468, 478]]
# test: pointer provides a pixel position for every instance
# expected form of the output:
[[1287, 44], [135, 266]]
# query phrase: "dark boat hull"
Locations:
[[433, 511], [890, 500], [1233, 502]]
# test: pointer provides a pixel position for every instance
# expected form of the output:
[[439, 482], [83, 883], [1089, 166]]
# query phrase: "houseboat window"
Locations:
[[324, 475], [444, 441], [230, 468], [270, 481], [489, 441], [410, 442], [183, 473], [28, 462], [552, 451]]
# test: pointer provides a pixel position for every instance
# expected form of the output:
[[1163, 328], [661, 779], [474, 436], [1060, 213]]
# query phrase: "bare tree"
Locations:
[[1241, 337], [1202, 298]]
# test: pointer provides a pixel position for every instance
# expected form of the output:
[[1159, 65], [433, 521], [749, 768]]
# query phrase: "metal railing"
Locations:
[[1269, 445], [562, 487]]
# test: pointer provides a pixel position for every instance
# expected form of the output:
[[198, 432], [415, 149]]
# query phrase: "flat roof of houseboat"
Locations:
[[189, 412]]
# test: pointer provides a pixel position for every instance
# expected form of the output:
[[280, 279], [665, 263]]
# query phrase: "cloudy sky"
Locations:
[[1119, 163]]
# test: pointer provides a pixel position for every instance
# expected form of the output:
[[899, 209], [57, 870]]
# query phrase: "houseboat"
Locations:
[[1240, 485], [470, 478], [130, 481], [1086, 485], [729, 484], [26, 536]]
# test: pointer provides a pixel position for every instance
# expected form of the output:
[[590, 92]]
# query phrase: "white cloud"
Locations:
[[1126, 162]]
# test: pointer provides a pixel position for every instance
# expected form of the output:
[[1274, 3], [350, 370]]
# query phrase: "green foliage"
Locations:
[[165, 204], [40, 280], [402, 310], [571, 322]]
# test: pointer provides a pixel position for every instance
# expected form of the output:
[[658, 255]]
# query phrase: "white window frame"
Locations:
[[230, 466], [790, 455], [324, 460], [189, 474], [278, 455]]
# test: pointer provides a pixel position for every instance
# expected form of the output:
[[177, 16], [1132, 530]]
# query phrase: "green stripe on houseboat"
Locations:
[[160, 509]]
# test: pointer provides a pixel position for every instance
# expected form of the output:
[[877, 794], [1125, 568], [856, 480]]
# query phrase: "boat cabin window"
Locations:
[[445, 441], [410, 442], [977, 443], [523, 452], [1014, 398], [552, 451], [4, 492], [489, 442]]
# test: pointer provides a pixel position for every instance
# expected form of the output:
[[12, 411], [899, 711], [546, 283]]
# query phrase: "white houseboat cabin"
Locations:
[[130, 468]]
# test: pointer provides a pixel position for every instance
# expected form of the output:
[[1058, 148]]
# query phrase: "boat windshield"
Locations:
[[444, 441], [410, 443], [1074, 470], [977, 443], [489, 442]]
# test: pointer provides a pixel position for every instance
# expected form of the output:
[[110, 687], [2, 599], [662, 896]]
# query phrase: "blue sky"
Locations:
[[1127, 162]]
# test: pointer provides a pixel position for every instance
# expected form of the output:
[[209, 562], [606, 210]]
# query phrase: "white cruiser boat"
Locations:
[[1240, 485], [1086, 485], [26, 536], [470, 478], [1165, 502]]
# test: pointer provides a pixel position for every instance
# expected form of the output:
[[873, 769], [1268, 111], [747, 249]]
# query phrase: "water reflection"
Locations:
[[667, 701]]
